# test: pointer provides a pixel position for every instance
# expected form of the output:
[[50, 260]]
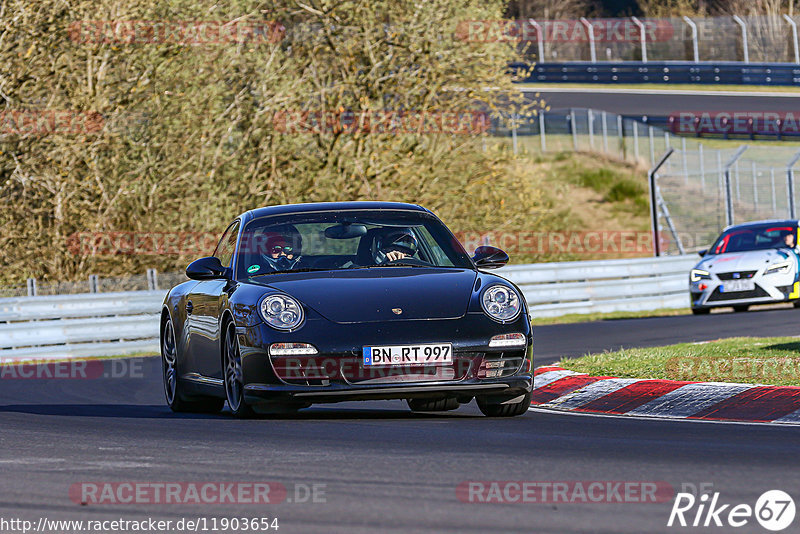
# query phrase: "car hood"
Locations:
[[743, 261], [372, 295]]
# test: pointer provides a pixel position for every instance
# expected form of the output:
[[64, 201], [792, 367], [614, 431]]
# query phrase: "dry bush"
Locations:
[[189, 137]]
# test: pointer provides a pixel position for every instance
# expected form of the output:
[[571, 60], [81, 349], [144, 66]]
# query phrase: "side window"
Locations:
[[227, 245]]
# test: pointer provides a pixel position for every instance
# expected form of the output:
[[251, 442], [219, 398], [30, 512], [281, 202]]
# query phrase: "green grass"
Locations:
[[610, 316], [675, 86], [750, 360]]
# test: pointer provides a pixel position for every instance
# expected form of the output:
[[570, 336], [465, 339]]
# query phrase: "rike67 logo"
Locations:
[[774, 510]]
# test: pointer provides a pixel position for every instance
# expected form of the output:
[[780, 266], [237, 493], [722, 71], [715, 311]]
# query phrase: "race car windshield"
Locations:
[[346, 240], [761, 237]]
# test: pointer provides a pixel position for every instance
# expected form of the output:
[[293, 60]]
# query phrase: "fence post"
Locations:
[[702, 168], [738, 20], [728, 192], [651, 181], [755, 188], [590, 33], [790, 183], [642, 38], [693, 26], [685, 165], [31, 283], [539, 39], [652, 146], [794, 37], [636, 140], [542, 134], [590, 121], [93, 284], [152, 279], [514, 132], [772, 179], [621, 136], [605, 132], [574, 129]]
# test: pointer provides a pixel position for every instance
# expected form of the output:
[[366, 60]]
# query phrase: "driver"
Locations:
[[788, 239], [394, 244], [281, 248]]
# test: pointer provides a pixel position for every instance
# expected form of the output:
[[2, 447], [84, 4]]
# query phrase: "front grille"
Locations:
[[736, 295], [320, 370], [736, 275]]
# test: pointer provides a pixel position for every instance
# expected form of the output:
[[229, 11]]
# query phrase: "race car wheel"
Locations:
[[701, 311], [742, 308], [496, 409], [796, 304], [234, 381], [173, 389], [427, 405]]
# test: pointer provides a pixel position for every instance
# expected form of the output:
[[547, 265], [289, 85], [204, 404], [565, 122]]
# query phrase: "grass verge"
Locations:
[[751, 360], [609, 316]]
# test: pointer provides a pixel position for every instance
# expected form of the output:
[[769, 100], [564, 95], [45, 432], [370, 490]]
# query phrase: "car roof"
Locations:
[[287, 209], [759, 223]]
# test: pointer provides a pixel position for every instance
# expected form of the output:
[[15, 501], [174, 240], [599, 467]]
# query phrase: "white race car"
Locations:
[[752, 263]]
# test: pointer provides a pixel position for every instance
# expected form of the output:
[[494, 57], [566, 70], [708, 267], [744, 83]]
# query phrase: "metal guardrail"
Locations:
[[664, 72], [554, 289], [103, 324]]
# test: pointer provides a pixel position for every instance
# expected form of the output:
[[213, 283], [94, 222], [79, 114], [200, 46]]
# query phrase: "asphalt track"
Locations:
[[664, 102], [383, 468]]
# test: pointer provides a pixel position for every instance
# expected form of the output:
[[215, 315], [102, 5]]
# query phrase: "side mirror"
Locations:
[[208, 268], [487, 257], [702, 252]]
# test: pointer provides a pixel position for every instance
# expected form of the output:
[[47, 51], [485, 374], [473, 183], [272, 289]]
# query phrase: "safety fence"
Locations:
[[662, 72], [759, 39], [703, 186], [103, 324]]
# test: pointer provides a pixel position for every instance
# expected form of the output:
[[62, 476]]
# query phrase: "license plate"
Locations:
[[734, 286], [428, 354]]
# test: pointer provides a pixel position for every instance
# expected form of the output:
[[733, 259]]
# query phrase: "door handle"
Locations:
[[189, 307]]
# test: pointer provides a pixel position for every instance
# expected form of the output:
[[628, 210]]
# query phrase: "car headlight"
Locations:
[[281, 312], [501, 303], [699, 274], [782, 267]]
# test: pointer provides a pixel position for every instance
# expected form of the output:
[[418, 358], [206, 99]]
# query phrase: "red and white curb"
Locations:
[[559, 389]]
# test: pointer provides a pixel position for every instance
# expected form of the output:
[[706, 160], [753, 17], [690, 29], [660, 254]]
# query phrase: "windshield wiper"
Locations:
[[303, 270]]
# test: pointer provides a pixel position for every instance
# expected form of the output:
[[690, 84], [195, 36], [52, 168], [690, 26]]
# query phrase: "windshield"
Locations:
[[346, 240], [760, 237]]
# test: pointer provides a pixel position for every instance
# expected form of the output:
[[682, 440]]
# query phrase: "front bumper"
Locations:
[[767, 289], [337, 373]]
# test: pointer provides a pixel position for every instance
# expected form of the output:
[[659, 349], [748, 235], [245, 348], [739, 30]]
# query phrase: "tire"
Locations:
[[796, 303], [741, 308], [428, 405], [232, 372], [701, 311], [494, 409], [173, 388]]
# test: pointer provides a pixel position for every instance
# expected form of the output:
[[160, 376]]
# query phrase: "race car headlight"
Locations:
[[501, 303], [699, 274], [281, 312], [782, 268]]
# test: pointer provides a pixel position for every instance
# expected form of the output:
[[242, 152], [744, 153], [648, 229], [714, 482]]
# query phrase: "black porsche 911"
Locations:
[[330, 302]]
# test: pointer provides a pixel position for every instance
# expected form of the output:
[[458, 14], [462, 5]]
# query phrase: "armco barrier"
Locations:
[[102, 324], [664, 72], [553, 289]]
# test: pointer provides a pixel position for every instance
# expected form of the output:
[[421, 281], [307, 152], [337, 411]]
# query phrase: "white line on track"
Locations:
[[590, 90]]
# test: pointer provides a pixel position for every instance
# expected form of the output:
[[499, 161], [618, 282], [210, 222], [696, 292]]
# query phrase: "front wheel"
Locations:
[[173, 389], [494, 408], [234, 381]]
